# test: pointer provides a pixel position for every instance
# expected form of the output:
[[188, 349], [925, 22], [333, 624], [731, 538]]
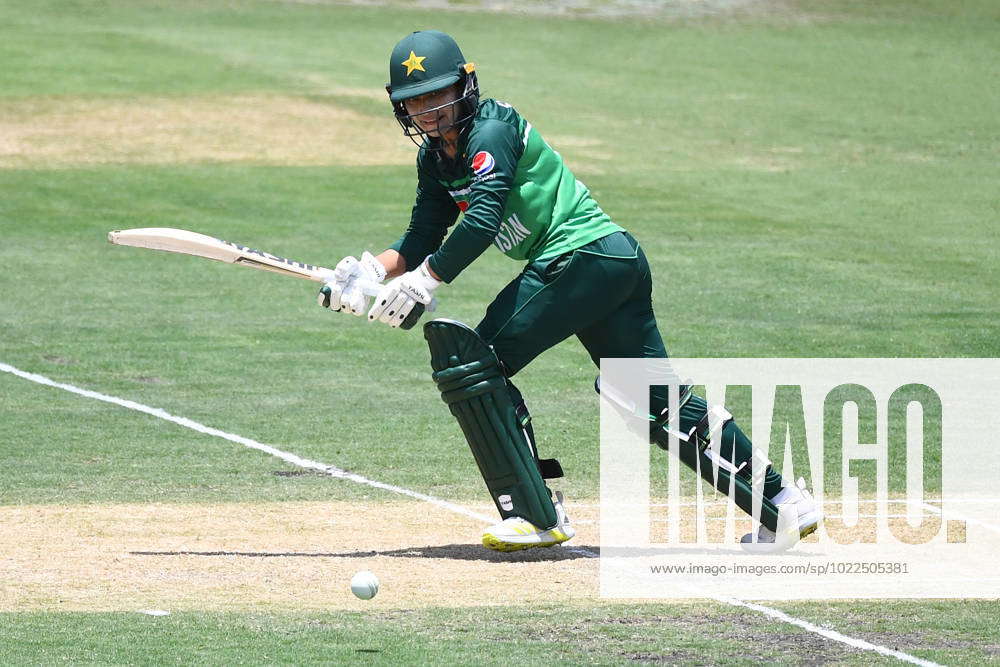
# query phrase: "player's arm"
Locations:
[[473, 235], [394, 263], [433, 212], [487, 198]]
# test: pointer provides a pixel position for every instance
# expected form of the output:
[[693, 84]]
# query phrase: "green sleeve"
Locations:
[[487, 197], [433, 212]]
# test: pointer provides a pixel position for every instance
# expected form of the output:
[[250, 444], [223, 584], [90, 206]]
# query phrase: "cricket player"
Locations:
[[585, 276]]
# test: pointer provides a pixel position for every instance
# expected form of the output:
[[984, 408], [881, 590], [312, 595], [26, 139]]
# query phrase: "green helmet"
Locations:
[[424, 62]]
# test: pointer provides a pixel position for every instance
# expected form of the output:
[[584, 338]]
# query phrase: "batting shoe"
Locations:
[[798, 516], [515, 533]]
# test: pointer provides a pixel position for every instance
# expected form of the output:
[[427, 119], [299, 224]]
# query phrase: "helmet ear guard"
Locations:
[[469, 101]]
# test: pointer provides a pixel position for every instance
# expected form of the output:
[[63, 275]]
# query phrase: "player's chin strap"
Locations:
[[699, 449], [494, 420]]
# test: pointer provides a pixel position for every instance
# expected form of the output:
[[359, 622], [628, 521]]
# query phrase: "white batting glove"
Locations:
[[344, 291], [400, 295]]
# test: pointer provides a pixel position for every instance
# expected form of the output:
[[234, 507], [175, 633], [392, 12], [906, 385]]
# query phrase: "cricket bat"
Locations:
[[200, 245]]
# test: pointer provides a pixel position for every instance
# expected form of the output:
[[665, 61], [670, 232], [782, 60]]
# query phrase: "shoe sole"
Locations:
[[804, 531], [811, 527], [494, 543]]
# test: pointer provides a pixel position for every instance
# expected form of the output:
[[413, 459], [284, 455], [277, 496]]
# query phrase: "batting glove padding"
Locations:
[[402, 295], [344, 291]]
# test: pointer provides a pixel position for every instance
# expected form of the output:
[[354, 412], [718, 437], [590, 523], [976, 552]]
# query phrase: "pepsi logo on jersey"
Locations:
[[482, 163]]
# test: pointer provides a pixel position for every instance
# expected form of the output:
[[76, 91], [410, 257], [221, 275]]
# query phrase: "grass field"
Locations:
[[808, 179]]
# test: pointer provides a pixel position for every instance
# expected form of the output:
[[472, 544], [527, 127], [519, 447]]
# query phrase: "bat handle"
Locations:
[[370, 288]]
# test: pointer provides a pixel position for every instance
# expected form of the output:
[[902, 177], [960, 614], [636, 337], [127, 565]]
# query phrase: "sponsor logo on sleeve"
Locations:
[[482, 163]]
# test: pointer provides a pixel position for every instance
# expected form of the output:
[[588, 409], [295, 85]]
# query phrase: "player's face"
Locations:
[[434, 112]]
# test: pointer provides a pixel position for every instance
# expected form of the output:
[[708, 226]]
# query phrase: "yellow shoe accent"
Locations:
[[491, 541], [496, 544], [516, 533]]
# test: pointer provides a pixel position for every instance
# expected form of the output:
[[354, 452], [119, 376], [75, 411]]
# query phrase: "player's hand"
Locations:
[[401, 295], [344, 292]]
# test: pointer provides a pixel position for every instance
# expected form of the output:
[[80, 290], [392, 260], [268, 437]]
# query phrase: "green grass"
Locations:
[[821, 188], [814, 182], [602, 634], [260, 361]]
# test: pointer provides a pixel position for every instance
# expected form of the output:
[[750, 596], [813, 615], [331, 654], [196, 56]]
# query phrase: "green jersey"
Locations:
[[513, 190]]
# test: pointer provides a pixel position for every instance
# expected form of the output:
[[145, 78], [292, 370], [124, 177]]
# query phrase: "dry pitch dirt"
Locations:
[[297, 555], [271, 556]]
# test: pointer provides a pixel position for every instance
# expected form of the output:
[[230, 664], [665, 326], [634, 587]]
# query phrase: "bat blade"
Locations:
[[186, 242], [200, 245]]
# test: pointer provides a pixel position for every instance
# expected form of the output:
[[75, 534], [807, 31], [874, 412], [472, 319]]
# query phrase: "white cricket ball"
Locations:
[[364, 584]]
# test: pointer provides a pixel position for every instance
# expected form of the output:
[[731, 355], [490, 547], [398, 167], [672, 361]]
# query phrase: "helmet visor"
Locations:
[[422, 88]]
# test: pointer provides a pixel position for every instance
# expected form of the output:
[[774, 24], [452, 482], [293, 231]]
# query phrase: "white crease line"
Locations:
[[826, 502], [333, 471], [777, 614], [829, 634], [985, 524]]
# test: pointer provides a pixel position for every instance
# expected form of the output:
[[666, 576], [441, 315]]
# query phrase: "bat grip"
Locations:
[[369, 288]]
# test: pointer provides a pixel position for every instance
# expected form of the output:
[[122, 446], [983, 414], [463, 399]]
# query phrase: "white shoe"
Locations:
[[798, 516], [515, 533]]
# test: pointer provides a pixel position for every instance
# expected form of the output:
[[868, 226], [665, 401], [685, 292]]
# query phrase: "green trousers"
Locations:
[[602, 294]]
